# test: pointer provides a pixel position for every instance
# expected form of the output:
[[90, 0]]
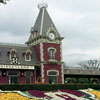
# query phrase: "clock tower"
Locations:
[[48, 45]]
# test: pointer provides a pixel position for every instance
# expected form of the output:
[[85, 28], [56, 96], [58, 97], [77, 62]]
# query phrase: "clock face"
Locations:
[[52, 36]]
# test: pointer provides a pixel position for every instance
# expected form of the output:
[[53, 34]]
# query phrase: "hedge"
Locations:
[[48, 87]]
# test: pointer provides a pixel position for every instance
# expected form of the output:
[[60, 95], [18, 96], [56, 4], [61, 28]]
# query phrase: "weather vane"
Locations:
[[42, 5]]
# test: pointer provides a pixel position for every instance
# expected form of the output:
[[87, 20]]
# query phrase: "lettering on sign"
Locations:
[[16, 67]]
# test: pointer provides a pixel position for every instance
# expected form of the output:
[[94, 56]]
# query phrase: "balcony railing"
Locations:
[[12, 44]]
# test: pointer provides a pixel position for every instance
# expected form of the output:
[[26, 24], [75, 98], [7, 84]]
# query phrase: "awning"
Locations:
[[16, 67]]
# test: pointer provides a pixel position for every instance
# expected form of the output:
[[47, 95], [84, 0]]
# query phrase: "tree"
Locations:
[[3, 1], [90, 64]]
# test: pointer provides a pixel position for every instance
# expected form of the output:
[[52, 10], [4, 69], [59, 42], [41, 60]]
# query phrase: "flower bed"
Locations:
[[76, 93], [13, 96], [88, 94], [36, 93], [96, 93]]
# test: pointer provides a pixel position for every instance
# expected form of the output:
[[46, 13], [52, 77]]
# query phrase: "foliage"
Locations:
[[48, 87], [83, 80], [1, 1]]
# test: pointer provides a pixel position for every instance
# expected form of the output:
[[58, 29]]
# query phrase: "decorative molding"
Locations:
[[62, 71], [52, 48], [43, 40], [52, 29], [42, 72], [28, 59], [41, 52], [61, 52], [42, 22], [52, 71]]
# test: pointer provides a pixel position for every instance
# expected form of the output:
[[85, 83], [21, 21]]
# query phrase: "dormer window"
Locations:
[[12, 53], [28, 55], [52, 52]]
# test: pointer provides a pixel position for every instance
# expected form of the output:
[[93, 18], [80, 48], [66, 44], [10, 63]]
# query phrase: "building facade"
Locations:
[[39, 60]]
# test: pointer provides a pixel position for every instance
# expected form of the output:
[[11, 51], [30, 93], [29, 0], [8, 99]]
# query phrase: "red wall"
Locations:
[[21, 80], [46, 54], [3, 80], [52, 67]]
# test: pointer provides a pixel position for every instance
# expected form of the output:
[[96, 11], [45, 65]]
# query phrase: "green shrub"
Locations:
[[48, 87]]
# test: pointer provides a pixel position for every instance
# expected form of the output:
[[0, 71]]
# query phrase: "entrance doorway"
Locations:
[[13, 80], [13, 76], [28, 75], [53, 76], [53, 79]]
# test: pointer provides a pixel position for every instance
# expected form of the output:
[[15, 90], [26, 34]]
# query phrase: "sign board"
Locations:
[[16, 67]]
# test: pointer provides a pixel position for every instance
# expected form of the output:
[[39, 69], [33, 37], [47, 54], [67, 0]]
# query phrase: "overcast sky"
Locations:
[[76, 20]]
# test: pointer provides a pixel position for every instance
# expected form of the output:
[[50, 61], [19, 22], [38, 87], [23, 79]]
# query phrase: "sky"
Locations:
[[78, 21]]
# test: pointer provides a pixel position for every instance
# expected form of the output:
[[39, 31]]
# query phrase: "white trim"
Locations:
[[10, 56], [28, 51], [42, 73], [41, 52], [52, 71], [61, 52], [13, 50], [42, 22], [52, 48], [62, 71], [44, 40], [28, 59]]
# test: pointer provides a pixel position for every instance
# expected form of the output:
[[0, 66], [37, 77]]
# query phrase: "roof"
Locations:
[[81, 71], [21, 49], [43, 24]]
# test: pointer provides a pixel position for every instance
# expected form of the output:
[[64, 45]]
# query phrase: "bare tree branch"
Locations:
[[90, 64]]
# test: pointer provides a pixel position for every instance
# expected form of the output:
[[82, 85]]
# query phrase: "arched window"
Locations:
[[12, 53], [53, 76], [28, 55], [52, 52]]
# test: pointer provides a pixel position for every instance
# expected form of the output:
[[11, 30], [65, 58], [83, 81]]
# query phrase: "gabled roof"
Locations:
[[5, 59], [44, 23]]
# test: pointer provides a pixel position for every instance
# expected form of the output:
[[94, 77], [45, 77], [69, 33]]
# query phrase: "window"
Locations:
[[28, 55], [52, 76], [53, 73], [13, 73], [13, 76], [12, 53], [52, 52]]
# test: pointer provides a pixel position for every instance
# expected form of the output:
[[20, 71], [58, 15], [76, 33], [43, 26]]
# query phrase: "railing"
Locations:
[[12, 44]]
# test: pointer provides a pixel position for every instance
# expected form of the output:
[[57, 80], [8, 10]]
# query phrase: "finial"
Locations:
[[42, 5]]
